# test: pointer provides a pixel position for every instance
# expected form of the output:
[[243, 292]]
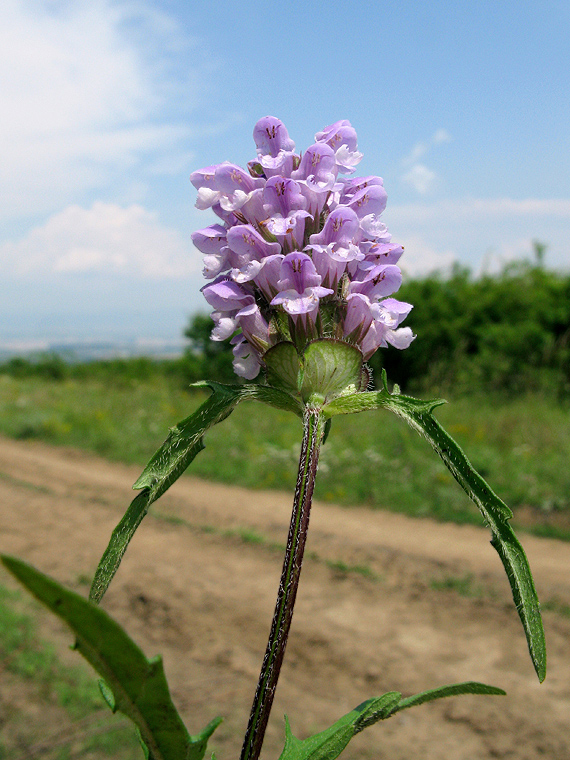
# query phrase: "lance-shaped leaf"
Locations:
[[496, 514], [454, 690], [328, 744], [134, 685], [184, 442]]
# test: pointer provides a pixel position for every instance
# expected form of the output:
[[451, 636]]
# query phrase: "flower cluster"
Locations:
[[299, 253]]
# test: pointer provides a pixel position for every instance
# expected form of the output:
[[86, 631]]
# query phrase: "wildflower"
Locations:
[[300, 252]]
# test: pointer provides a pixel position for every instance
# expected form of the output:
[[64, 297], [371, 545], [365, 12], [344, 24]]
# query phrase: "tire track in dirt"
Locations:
[[203, 597]]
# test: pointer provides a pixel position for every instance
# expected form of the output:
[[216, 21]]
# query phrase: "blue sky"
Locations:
[[107, 106]]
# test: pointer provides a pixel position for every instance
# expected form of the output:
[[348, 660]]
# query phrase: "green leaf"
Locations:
[[469, 687], [184, 442], [328, 744], [496, 514], [137, 686]]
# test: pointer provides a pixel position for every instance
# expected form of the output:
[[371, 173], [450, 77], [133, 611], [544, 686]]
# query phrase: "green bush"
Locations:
[[506, 333], [509, 332]]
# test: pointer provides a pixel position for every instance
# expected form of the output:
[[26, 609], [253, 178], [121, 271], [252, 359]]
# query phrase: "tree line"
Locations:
[[507, 332]]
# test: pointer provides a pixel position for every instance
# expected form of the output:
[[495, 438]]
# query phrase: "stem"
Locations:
[[263, 700]]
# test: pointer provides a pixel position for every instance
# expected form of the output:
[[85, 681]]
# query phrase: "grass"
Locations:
[[464, 585], [520, 446], [39, 692]]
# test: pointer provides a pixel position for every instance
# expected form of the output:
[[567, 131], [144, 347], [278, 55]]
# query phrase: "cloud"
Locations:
[[88, 91], [441, 136], [484, 233], [419, 150], [418, 176], [478, 209], [104, 239], [421, 258]]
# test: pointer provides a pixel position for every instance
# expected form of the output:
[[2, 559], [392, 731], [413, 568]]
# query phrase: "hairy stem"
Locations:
[[263, 700]]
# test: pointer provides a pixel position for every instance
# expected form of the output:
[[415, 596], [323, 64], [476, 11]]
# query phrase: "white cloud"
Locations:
[[420, 178], [476, 209], [84, 85], [420, 257], [484, 233], [419, 150], [104, 239], [441, 136]]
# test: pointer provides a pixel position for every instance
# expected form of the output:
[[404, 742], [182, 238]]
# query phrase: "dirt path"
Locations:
[[203, 597]]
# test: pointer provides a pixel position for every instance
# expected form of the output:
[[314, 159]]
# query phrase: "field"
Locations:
[[521, 445], [386, 602]]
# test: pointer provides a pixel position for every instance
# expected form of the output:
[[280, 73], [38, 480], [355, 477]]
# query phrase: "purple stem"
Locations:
[[262, 702]]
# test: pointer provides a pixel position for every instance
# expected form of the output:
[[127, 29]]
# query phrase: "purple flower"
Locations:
[[212, 241], [300, 285], [336, 245], [379, 336], [359, 316], [352, 186], [341, 228], [293, 233], [225, 325], [341, 137], [254, 327], [271, 137], [285, 207], [317, 175], [369, 200], [247, 249], [372, 324], [379, 281], [246, 362], [226, 295], [268, 276], [274, 147], [205, 183], [384, 328]]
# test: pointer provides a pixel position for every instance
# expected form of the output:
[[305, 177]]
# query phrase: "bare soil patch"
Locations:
[[385, 603]]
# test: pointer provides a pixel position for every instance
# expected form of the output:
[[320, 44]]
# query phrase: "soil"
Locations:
[[385, 603]]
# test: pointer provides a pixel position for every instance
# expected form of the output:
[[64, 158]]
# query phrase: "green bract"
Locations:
[[325, 370]]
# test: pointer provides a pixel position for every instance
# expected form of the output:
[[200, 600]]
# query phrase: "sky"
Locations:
[[107, 106]]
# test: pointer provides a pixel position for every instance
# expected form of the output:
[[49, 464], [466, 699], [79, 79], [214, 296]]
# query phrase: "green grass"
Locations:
[[464, 585], [66, 712], [521, 446]]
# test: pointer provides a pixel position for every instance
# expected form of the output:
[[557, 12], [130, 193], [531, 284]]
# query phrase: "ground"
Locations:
[[385, 603]]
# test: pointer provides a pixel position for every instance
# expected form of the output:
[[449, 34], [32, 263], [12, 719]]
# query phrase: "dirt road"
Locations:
[[191, 588]]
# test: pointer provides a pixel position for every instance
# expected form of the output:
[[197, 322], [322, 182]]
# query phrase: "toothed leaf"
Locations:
[[496, 514]]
